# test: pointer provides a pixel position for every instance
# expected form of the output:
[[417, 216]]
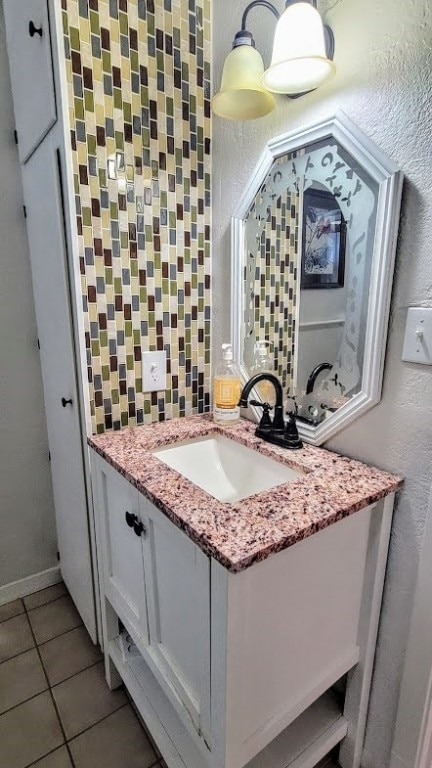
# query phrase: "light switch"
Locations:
[[154, 371], [418, 336]]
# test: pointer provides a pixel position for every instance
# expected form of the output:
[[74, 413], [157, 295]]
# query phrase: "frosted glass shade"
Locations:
[[242, 95], [299, 62]]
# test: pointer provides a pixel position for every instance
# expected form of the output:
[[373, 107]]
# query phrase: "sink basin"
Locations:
[[227, 470]]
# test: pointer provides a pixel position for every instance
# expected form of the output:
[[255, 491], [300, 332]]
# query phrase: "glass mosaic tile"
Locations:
[[139, 88]]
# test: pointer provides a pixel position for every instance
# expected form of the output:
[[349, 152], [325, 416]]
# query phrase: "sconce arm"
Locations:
[[290, 2], [253, 4]]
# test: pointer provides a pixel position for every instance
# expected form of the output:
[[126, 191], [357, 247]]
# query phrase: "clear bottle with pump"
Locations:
[[226, 389], [263, 363]]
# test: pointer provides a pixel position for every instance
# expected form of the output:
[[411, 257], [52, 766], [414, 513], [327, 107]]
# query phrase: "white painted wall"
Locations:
[[383, 83], [322, 344], [27, 525]]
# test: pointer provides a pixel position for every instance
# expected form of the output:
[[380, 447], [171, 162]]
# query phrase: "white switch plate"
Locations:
[[154, 371], [418, 336]]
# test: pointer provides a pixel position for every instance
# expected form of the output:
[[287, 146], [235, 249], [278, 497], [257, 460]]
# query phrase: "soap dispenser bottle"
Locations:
[[263, 363], [226, 389]]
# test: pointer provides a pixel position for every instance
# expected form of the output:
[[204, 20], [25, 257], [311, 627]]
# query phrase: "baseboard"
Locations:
[[30, 584]]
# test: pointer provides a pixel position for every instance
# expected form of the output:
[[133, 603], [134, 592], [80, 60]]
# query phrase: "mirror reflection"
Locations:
[[308, 245]]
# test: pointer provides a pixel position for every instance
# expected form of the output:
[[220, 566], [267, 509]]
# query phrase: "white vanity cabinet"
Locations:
[[239, 669], [31, 70], [157, 581]]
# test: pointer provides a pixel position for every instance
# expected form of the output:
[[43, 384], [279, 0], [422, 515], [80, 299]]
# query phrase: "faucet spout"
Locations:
[[278, 424], [314, 375]]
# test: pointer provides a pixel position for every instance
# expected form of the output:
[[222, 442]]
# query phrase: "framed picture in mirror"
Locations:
[[323, 241]]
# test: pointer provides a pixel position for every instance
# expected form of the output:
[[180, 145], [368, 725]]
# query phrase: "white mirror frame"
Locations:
[[389, 180]]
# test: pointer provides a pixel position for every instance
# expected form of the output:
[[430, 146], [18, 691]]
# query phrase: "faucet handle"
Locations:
[[266, 422], [291, 435], [294, 410]]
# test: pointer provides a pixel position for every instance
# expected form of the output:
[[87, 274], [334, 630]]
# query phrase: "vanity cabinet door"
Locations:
[[30, 59], [121, 531], [177, 577]]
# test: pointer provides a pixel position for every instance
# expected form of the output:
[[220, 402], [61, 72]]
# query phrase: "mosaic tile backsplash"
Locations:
[[270, 275], [276, 285], [139, 103]]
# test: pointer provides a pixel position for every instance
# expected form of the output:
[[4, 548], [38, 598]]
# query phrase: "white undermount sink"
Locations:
[[227, 470]]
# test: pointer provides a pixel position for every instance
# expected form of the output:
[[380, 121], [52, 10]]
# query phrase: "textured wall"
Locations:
[[139, 84], [383, 83], [27, 525]]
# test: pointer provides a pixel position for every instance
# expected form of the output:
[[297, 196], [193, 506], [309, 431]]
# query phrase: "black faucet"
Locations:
[[314, 375], [273, 431]]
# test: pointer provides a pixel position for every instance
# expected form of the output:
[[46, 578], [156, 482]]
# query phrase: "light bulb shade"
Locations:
[[299, 62], [242, 95]]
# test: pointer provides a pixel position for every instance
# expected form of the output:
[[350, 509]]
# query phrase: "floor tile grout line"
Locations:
[[21, 653], [61, 726], [158, 760], [60, 682], [51, 693], [51, 752], [20, 613], [66, 594], [55, 636], [105, 717], [2, 621], [45, 642], [143, 726], [30, 698], [25, 609], [43, 605], [28, 611], [66, 741]]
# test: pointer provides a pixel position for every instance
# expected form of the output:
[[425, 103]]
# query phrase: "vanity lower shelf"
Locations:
[[306, 741]]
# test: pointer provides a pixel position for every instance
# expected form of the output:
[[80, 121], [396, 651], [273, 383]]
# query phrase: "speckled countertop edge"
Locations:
[[247, 531]]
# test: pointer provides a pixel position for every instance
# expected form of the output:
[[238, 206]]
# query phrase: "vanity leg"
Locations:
[[110, 631], [359, 679]]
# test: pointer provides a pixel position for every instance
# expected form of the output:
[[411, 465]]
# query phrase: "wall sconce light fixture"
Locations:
[[302, 60]]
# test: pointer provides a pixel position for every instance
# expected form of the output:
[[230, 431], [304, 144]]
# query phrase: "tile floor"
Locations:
[[55, 708]]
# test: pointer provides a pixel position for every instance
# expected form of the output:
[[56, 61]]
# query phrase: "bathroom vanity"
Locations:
[[241, 615]]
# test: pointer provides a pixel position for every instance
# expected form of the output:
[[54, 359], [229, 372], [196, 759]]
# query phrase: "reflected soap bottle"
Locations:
[[226, 389], [263, 363]]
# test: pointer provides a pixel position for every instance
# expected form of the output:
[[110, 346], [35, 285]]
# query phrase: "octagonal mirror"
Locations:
[[313, 245]]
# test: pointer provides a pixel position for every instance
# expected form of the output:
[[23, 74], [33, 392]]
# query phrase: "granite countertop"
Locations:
[[247, 531]]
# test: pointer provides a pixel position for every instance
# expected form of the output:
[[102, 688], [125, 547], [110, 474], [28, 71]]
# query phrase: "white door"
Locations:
[[29, 50], [121, 529], [177, 577], [42, 194]]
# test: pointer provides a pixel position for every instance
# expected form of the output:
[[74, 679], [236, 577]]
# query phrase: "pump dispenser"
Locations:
[[226, 389], [263, 363]]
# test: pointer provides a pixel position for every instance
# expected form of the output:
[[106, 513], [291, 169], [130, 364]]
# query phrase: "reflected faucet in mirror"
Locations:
[[274, 430], [314, 375]]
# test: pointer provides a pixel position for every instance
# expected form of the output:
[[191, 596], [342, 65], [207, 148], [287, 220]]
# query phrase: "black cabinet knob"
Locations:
[[138, 528], [130, 519], [34, 30], [65, 402]]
